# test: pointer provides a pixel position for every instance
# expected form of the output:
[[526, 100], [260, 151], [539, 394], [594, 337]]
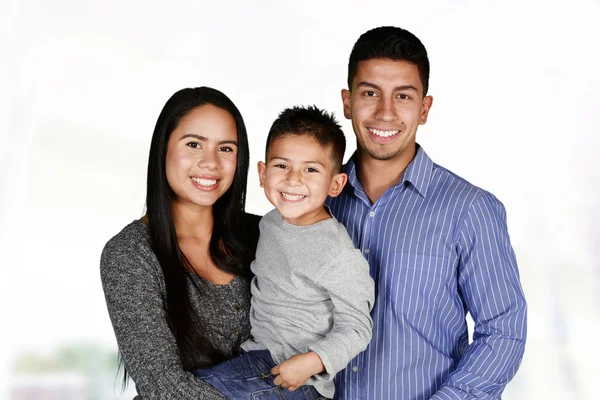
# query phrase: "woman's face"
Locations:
[[202, 156]]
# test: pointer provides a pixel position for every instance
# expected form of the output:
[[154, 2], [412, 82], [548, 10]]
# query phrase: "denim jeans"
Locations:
[[248, 377]]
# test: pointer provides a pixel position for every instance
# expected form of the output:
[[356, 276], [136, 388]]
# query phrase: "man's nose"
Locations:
[[385, 110]]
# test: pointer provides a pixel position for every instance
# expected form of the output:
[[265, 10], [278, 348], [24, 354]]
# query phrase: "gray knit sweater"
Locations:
[[312, 291], [135, 296]]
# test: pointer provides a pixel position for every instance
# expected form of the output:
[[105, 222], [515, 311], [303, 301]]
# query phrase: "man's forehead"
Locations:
[[387, 72]]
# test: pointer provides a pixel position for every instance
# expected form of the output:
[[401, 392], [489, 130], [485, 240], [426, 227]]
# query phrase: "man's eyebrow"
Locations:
[[205, 139], [369, 85], [405, 87], [396, 89]]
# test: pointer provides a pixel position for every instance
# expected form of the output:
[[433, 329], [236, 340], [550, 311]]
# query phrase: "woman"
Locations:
[[177, 281]]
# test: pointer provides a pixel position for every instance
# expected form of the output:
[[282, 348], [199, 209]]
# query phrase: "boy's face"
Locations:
[[297, 178]]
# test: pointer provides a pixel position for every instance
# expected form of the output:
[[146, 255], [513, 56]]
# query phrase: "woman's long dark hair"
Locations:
[[227, 249]]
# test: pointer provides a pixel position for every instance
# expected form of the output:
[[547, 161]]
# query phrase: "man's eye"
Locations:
[[403, 96], [370, 93]]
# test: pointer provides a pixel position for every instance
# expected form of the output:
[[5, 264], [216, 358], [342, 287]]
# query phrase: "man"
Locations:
[[437, 246]]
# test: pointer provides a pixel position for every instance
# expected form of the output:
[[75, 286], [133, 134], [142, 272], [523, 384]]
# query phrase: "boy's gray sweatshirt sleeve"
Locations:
[[351, 288]]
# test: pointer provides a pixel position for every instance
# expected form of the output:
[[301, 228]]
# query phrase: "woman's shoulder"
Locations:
[[251, 220], [132, 242], [135, 234], [249, 231]]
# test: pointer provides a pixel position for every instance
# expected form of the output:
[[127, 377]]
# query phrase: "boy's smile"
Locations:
[[297, 178]]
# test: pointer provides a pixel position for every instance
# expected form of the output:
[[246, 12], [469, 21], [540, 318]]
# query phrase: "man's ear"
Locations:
[[427, 102], [337, 184], [346, 95], [262, 172]]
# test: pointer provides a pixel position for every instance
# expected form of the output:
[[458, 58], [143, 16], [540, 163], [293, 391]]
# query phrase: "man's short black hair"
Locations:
[[393, 43], [314, 122]]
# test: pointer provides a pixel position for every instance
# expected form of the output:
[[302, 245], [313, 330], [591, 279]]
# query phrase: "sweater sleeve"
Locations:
[[351, 289], [135, 304]]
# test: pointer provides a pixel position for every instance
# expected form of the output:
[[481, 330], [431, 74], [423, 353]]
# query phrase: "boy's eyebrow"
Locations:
[[205, 139], [396, 89], [288, 160]]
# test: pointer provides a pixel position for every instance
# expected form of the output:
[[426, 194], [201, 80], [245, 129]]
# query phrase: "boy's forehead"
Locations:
[[290, 142]]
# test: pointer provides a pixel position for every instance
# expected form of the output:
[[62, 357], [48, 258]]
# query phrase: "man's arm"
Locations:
[[488, 282]]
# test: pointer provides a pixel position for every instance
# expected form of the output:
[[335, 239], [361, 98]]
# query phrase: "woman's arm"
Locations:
[[133, 289]]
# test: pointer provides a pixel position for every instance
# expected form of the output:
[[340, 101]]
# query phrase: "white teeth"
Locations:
[[204, 182], [383, 133], [292, 197]]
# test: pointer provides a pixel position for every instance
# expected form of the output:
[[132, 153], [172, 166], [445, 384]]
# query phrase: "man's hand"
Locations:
[[293, 372]]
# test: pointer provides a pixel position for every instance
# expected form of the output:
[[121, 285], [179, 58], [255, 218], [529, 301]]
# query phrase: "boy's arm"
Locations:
[[352, 292]]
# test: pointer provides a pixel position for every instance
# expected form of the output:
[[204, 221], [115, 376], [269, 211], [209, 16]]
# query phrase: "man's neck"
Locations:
[[376, 176]]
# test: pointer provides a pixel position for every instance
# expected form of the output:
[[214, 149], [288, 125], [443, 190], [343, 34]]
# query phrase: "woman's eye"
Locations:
[[225, 149], [194, 145]]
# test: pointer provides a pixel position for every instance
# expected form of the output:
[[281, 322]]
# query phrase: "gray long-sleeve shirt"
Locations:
[[312, 291], [135, 293]]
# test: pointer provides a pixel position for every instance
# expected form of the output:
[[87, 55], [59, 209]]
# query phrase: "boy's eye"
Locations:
[[310, 169], [282, 166]]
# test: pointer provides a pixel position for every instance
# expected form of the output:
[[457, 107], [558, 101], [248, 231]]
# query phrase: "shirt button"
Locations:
[[372, 213], [235, 331], [238, 308], [367, 251], [355, 368]]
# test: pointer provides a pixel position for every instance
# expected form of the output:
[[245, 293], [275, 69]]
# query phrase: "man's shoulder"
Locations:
[[445, 180], [455, 188]]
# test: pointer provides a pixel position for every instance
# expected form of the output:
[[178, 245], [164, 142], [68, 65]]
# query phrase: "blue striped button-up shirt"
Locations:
[[438, 247]]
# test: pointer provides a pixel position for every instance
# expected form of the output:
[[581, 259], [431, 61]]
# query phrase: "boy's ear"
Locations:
[[337, 184], [262, 171]]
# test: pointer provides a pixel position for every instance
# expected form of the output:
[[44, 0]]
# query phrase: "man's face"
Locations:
[[386, 105]]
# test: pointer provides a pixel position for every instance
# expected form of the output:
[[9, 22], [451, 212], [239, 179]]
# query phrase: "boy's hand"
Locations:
[[293, 372]]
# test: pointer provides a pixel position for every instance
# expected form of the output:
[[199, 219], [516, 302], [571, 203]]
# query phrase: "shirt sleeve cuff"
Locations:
[[449, 393]]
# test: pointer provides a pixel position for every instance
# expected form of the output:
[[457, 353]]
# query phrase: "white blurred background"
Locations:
[[515, 88]]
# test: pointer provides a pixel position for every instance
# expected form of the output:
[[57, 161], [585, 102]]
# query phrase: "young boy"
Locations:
[[312, 293]]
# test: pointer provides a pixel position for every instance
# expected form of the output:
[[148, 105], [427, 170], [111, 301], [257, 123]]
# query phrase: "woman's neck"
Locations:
[[192, 221]]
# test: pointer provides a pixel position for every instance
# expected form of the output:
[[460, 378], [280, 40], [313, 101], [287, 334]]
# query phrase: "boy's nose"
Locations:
[[294, 178]]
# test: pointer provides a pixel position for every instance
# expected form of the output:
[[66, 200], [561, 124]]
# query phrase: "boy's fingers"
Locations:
[[275, 370], [278, 381]]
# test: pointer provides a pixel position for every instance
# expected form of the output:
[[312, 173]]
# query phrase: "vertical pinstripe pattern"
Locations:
[[437, 247]]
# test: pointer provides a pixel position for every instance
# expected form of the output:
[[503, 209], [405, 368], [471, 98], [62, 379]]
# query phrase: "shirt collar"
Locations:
[[418, 172]]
